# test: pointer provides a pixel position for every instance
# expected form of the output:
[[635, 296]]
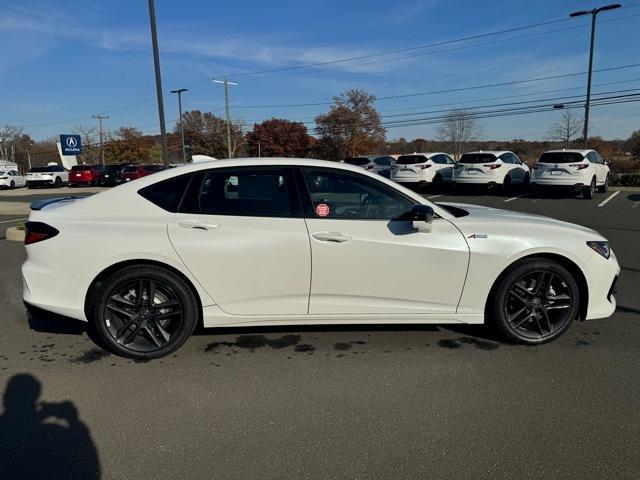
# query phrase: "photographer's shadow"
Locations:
[[41, 440]]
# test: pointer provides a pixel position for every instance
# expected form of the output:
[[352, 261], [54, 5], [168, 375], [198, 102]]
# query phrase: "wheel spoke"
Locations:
[[542, 282], [129, 330], [167, 304], [120, 310], [523, 321], [558, 307], [162, 316], [139, 293], [514, 316], [151, 293], [121, 300], [547, 321], [538, 324]]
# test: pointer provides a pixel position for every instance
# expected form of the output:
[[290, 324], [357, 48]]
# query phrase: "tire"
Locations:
[[526, 182], [57, 182], [12, 185], [436, 184], [506, 184], [140, 329], [29, 186], [523, 308], [604, 188], [588, 192]]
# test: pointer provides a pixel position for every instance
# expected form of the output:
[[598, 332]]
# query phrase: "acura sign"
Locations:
[[71, 144]]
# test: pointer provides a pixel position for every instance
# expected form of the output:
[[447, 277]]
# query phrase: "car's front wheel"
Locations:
[[535, 302], [605, 187], [144, 312], [589, 192]]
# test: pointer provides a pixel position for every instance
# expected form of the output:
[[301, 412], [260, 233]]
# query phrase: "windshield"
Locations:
[[561, 157], [359, 161], [80, 168], [130, 169], [412, 159], [477, 158]]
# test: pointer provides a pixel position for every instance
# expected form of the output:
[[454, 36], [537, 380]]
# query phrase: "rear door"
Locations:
[[368, 261], [241, 233]]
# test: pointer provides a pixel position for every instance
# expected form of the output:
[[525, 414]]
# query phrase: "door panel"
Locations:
[[377, 267]]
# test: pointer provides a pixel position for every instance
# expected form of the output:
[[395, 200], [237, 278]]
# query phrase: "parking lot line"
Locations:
[[604, 202], [14, 220], [514, 198]]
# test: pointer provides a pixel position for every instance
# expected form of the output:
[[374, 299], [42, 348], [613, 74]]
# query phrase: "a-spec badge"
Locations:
[[478, 235]]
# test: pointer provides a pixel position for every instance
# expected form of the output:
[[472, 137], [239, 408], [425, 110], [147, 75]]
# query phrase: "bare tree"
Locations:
[[457, 129], [90, 146], [9, 136], [569, 125]]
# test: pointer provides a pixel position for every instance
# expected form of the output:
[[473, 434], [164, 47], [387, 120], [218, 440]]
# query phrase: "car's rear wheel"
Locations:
[[604, 188], [535, 302], [57, 182], [436, 184], [589, 192], [506, 184], [12, 185], [526, 181], [144, 312]]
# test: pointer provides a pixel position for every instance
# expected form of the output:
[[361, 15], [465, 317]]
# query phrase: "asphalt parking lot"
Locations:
[[344, 403]]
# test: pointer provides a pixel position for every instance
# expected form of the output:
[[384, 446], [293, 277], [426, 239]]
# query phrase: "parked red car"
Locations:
[[85, 175], [133, 172]]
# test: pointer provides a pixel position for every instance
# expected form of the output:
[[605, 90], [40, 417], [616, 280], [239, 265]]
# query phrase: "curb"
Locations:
[[624, 188], [14, 234]]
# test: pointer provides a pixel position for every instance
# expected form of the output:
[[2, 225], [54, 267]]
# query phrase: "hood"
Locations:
[[489, 218]]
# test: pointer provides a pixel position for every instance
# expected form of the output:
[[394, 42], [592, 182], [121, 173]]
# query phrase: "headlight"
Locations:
[[600, 247]]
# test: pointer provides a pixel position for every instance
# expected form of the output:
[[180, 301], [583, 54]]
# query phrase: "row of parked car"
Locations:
[[581, 170], [55, 175]]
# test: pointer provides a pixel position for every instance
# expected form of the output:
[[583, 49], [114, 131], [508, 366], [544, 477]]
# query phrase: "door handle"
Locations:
[[334, 237], [197, 225]]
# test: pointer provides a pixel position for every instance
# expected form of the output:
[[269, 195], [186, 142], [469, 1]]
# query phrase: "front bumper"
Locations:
[[602, 276]]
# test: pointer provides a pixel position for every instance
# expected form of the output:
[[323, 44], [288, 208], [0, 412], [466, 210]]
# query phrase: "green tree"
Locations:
[[278, 138], [127, 145], [208, 134]]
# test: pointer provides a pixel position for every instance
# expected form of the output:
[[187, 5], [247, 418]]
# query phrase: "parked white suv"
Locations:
[[423, 169], [491, 168], [380, 164], [583, 170], [52, 175]]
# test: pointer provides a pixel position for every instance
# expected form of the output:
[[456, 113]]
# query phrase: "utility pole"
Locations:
[[259, 149], [100, 118], [593, 14], [226, 111], [156, 64], [179, 92]]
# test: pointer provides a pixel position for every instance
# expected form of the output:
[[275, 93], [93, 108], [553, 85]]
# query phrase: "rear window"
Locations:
[[561, 157], [359, 161], [411, 159], [168, 193], [130, 169], [477, 158], [80, 168], [153, 168], [48, 168]]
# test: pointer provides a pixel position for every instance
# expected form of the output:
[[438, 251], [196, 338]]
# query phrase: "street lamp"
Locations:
[[593, 13], [179, 92]]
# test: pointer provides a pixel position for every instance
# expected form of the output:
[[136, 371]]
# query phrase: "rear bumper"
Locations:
[[476, 180], [36, 183], [560, 181]]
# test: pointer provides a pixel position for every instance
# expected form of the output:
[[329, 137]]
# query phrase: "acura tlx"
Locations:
[[262, 242]]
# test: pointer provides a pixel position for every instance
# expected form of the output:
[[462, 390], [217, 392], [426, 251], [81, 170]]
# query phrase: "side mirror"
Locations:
[[421, 217]]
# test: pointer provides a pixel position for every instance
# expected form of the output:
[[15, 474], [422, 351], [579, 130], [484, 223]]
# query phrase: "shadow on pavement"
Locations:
[[42, 440]]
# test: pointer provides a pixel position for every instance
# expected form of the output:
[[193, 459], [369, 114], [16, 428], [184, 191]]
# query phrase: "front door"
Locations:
[[365, 262], [241, 233]]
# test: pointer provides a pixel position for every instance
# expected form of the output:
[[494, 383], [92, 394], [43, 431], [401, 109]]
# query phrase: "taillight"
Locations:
[[38, 231], [493, 166], [580, 166], [424, 166]]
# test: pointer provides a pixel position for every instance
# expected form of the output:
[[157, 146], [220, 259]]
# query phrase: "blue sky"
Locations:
[[63, 60]]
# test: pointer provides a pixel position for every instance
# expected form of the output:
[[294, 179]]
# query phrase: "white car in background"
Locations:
[[583, 170], [491, 168], [11, 179], [50, 175], [380, 164], [419, 170], [273, 241]]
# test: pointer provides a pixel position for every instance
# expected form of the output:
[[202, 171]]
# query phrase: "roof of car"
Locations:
[[568, 150], [426, 154], [497, 153]]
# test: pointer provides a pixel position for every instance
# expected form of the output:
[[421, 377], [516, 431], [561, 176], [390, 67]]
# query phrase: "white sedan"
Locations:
[[491, 168], [11, 179], [265, 242], [582, 170]]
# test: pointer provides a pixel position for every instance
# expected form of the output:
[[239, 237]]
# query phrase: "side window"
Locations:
[[338, 195], [254, 192], [450, 160], [506, 158], [591, 157], [383, 161], [439, 159], [167, 194], [515, 159]]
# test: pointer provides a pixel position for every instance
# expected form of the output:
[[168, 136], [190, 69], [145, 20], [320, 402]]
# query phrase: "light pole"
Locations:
[[179, 92], [156, 64], [226, 111], [593, 13]]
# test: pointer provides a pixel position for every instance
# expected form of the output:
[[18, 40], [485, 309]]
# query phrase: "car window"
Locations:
[[167, 194], [358, 161], [338, 195], [560, 157], [591, 157], [439, 159], [383, 161], [506, 158], [255, 192], [515, 159], [130, 169], [450, 160], [411, 159], [477, 158]]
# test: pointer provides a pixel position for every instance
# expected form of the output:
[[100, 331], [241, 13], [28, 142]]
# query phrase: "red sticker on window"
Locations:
[[322, 210]]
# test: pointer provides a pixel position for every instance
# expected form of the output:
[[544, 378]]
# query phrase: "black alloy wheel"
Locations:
[[590, 191], [58, 182], [536, 302], [145, 312]]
